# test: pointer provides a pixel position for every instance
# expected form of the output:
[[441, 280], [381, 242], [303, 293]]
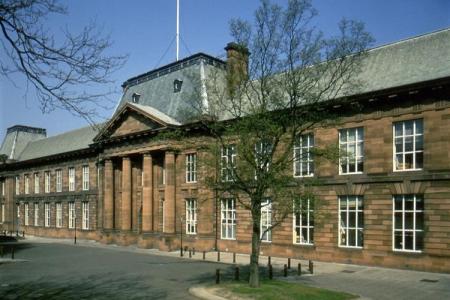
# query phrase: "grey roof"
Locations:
[[66, 142], [156, 113], [418, 59], [156, 88], [17, 137]]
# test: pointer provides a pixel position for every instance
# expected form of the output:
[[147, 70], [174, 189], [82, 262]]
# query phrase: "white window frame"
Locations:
[[17, 185], [228, 219], [85, 215], [191, 167], [346, 158], [26, 179], [36, 183], [71, 172], [59, 217], [85, 180], [191, 216], [359, 224], [303, 219], [266, 221], [303, 164], [414, 152], [36, 214], [26, 212], [72, 214], [47, 214], [403, 230], [58, 180], [47, 181], [262, 150], [228, 162]]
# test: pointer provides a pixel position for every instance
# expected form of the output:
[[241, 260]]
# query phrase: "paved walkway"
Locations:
[[368, 282]]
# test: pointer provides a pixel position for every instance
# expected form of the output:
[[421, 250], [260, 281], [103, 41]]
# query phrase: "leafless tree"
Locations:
[[62, 70]]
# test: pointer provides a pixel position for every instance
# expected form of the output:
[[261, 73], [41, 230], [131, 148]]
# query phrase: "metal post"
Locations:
[[311, 267], [285, 271], [217, 276], [204, 255], [236, 273], [289, 263], [75, 231], [190, 253], [234, 257], [270, 272], [269, 259], [181, 235], [299, 269]]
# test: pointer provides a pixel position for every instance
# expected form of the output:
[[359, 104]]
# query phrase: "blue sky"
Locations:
[[143, 29]]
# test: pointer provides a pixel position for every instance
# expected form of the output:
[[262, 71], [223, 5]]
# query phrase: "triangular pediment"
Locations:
[[131, 119]]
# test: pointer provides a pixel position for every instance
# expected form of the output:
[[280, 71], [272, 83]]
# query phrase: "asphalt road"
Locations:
[[56, 271]]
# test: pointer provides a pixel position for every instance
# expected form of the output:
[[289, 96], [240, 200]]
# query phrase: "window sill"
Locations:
[[351, 248], [304, 245], [413, 252], [407, 170], [228, 239], [303, 176], [348, 174]]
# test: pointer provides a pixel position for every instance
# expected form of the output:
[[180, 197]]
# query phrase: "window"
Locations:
[[228, 163], [191, 216], [191, 167], [303, 158], [47, 214], [27, 183], [351, 148], [408, 145], [85, 178], [3, 188], [135, 97], [36, 214], [177, 84], [59, 180], [71, 215], [3, 213], [71, 179], [351, 221], [36, 183], [47, 181], [304, 222], [228, 219], [266, 220], [26, 214], [408, 223], [263, 157], [59, 214], [85, 215], [18, 212], [17, 185]]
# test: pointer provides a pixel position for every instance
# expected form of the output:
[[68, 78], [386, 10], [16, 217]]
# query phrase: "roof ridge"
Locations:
[[408, 39]]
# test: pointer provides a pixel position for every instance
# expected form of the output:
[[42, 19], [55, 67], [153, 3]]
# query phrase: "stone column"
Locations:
[[100, 194], [108, 196], [147, 193], [126, 193], [169, 193]]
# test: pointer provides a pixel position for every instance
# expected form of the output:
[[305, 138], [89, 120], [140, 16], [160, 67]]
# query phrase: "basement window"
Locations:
[[177, 85]]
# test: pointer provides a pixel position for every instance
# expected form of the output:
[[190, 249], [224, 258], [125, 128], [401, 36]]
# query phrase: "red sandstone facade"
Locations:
[[138, 191]]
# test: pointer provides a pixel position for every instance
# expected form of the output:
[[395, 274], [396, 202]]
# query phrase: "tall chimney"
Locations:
[[237, 65]]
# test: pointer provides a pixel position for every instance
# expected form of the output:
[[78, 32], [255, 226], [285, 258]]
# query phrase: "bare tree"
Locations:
[[61, 73], [262, 112]]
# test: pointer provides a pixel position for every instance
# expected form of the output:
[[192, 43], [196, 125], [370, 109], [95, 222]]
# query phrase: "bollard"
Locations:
[[193, 251], [299, 269], [269, 261], [217, 276], [190, 253], [218, 255], [204, 255], [234, 257], [270, 272], [23, 233], [12, 252], [311, 267], [285, 271], [236, 273], [17, 233], [289, 263]]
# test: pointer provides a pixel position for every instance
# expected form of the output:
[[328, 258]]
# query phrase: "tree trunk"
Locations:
[[254, 258]]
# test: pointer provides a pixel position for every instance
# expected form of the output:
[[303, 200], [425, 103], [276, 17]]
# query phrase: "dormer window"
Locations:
[[177, 85], [135, 97]]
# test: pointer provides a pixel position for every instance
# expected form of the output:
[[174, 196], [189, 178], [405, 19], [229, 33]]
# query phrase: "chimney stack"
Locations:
[[237, 65]]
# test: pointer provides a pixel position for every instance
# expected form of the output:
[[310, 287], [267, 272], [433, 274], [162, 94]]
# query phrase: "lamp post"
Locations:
[[181, 236]]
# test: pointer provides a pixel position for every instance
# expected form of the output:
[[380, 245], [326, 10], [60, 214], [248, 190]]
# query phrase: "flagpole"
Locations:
[[178, 28]]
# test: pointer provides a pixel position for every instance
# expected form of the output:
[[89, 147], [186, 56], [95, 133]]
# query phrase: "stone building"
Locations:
[[120, 183]]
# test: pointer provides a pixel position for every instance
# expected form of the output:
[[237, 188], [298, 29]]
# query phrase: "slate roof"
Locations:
[[156, 113], [66, 142], [17, 137]]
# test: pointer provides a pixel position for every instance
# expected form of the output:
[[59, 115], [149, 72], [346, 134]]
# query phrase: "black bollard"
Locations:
[[217, 276], [218, 255], [289, 263], [311, 267], [285, 271], [236, 273], [204, 255], [270, 272], [23, 233], [234, 257], [190, 253], [269, 261], [299, 269]]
